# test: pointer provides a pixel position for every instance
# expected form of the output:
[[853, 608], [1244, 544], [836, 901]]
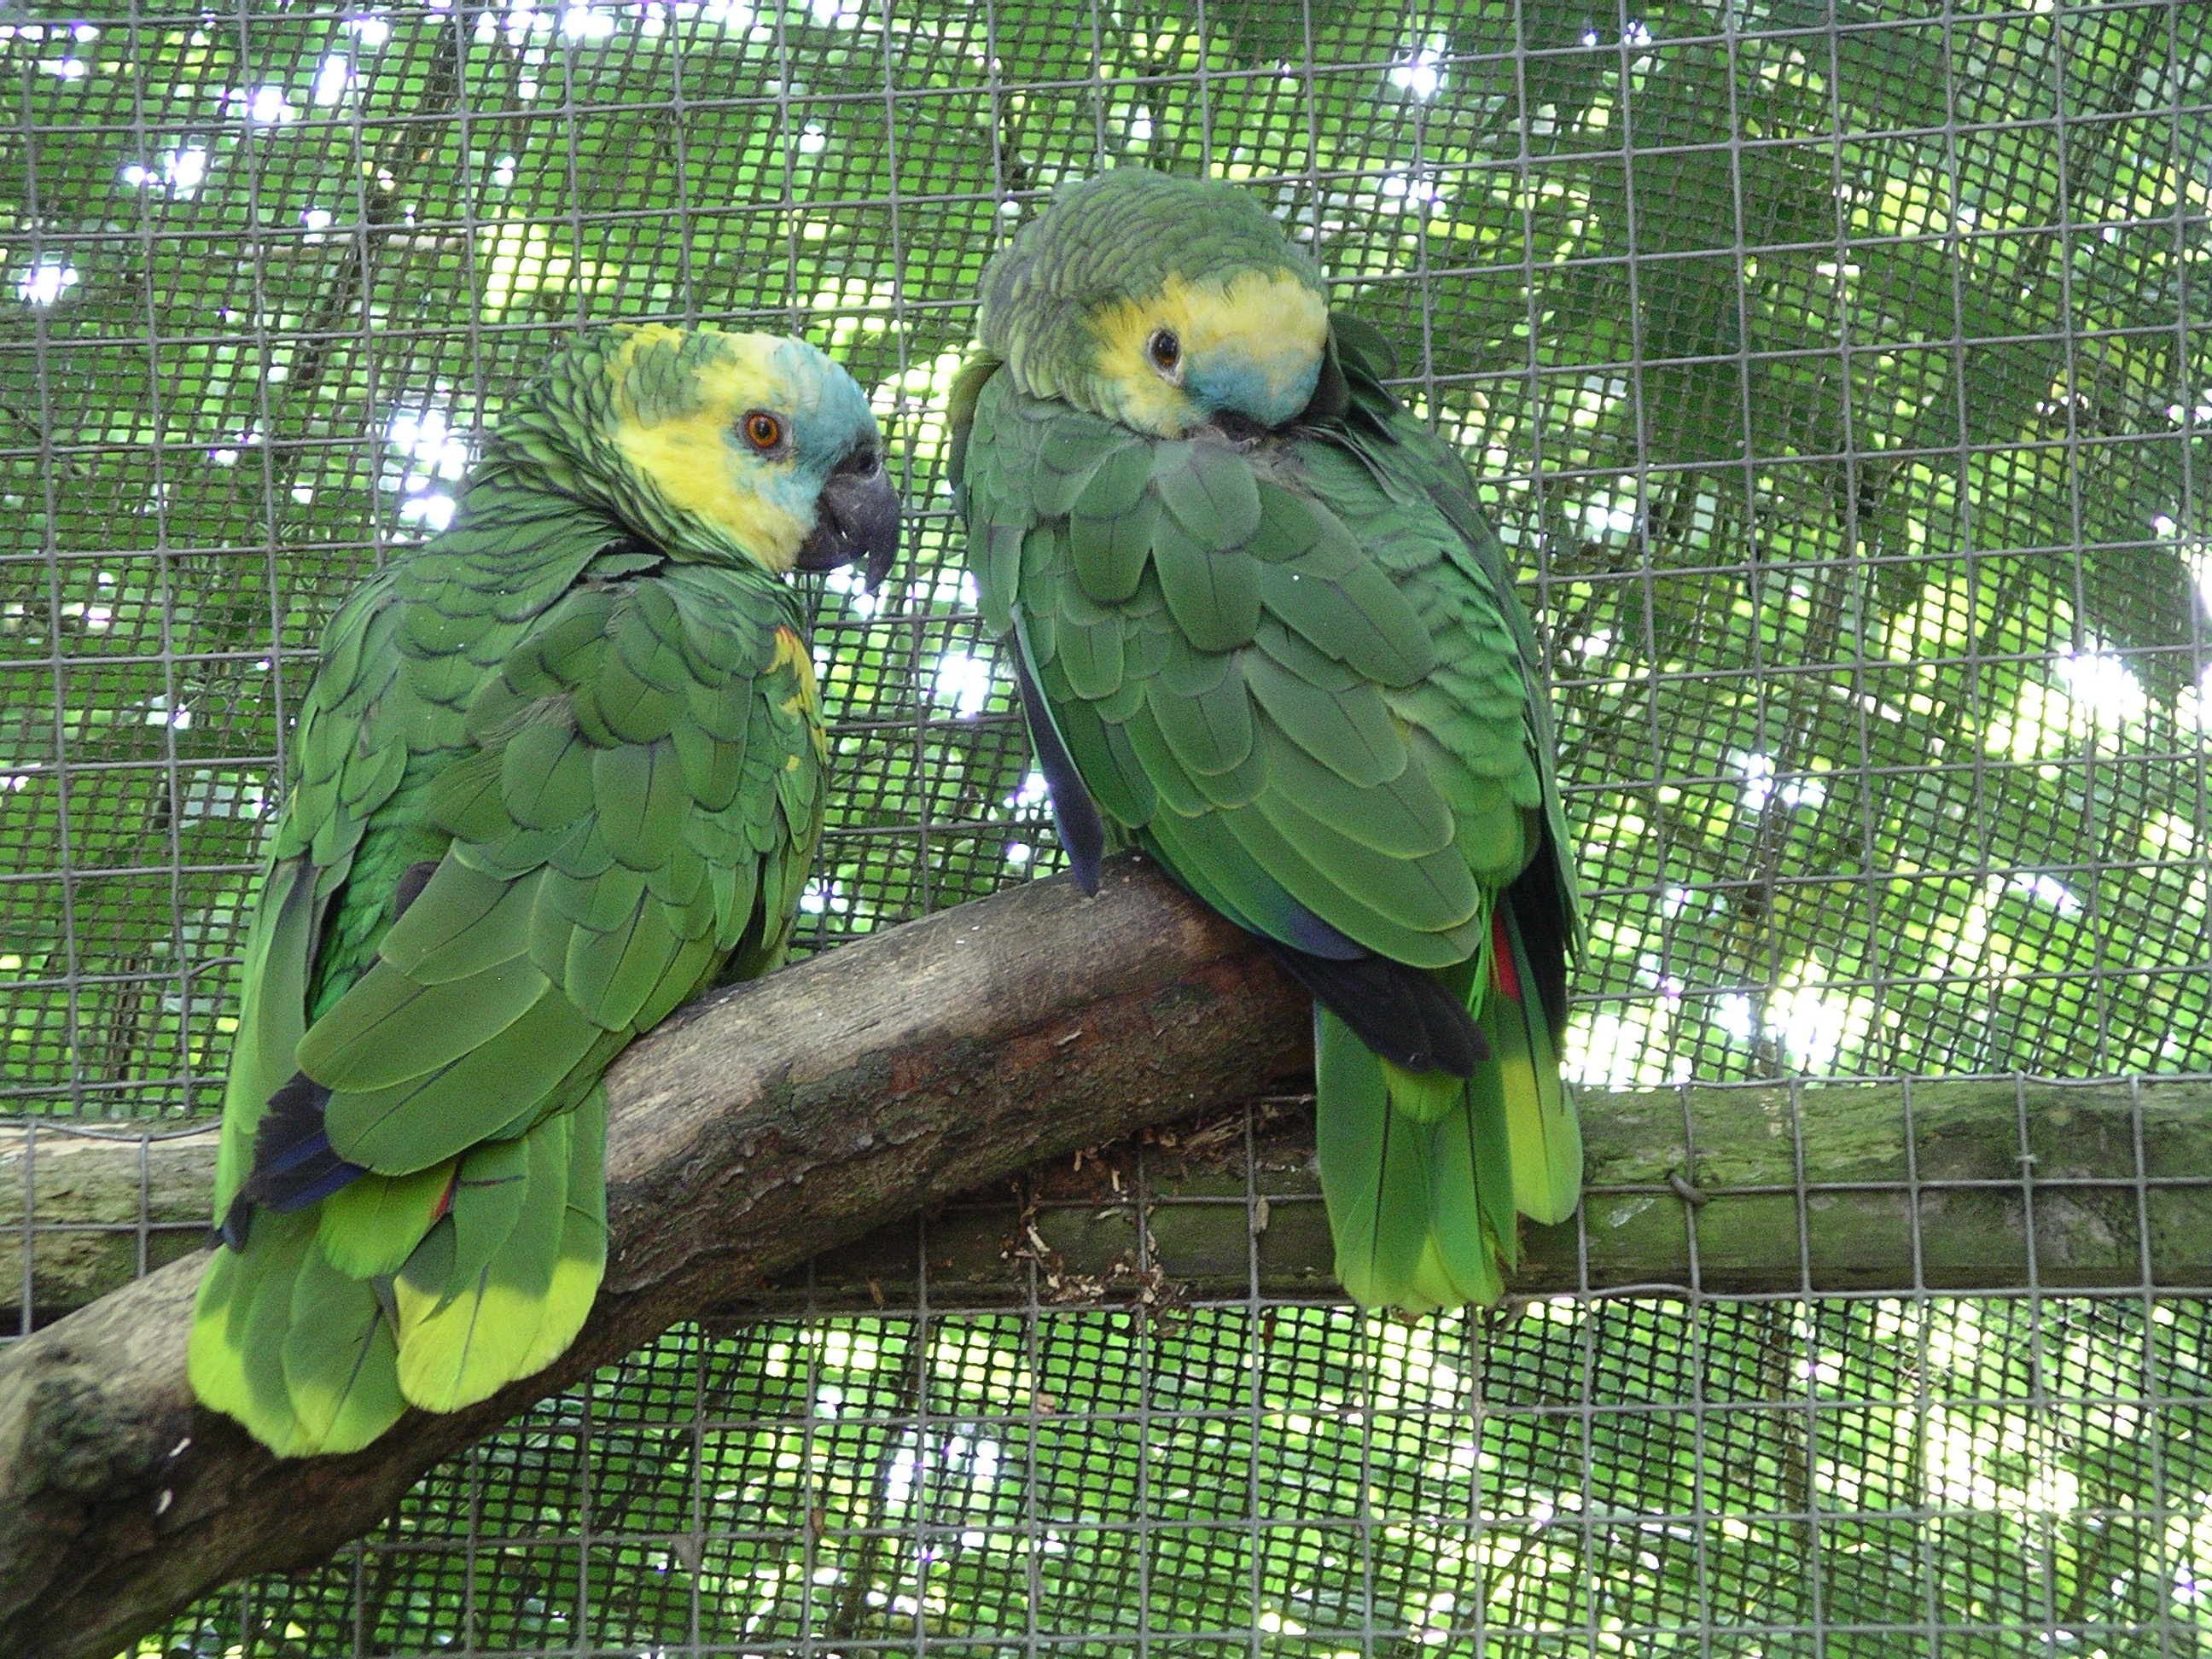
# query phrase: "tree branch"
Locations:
[[750, 1131], [1230, 1207]]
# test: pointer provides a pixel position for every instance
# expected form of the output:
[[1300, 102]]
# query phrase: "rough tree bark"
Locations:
[[759, 1125]]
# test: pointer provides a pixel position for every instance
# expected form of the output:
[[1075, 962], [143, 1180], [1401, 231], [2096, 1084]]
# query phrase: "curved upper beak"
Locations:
[[856, 520]]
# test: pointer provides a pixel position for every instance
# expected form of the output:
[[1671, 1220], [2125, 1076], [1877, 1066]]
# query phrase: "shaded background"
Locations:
[[1837, 374]]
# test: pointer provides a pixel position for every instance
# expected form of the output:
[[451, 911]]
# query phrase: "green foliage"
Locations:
[[1838, 399], [1832, 369], [1595, 1479]]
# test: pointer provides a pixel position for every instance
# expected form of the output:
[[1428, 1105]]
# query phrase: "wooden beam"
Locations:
[[98, 1202]]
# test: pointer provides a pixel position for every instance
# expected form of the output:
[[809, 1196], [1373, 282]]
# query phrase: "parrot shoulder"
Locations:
[[960, 418], [633, 764]]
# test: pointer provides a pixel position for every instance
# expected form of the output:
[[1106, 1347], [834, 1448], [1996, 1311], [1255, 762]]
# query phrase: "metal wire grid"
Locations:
[[1834, 371], [1872, 591], [1768, 1475]]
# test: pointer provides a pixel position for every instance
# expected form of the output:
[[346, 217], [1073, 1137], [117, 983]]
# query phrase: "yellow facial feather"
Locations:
[[1277, 324], [692, 459], [639, 337]]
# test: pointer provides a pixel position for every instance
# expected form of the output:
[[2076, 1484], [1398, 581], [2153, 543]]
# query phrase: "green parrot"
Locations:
[[558, 770], [1262, 631]]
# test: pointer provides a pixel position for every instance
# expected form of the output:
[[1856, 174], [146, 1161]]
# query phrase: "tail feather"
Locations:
[[1426, 1173], [468, 1309], [369, 1228], [1463, 1221], [582, 1258], [1407, 1165], [338, 1358], [501, 1286], [1539, 1119], [1485, 1164], [234, 1356], [215, 1356], [268, 1316], [435, 1290], [292, 1348], [1354, 1146]]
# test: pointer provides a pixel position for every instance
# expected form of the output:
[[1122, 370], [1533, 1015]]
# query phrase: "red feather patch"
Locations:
[[1503, 973]]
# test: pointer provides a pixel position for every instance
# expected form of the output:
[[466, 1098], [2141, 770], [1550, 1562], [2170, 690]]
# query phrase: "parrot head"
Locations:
[[1160, 302], [713, 446]]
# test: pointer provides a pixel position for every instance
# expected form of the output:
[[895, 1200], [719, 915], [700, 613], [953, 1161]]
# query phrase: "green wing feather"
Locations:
[[613, 765], [1297, 674]]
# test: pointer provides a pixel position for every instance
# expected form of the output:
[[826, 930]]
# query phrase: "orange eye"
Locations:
[[762, 430]]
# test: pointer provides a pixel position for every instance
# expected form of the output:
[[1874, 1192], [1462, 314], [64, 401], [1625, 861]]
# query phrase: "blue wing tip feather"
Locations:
[[293, 1162], [1081, 831], [1084, 861], [1401, 1013]]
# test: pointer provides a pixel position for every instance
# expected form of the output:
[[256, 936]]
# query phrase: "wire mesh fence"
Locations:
[[1289, 1480], [1837, 372]]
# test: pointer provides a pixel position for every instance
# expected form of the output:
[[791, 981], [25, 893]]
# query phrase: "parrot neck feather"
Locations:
[[520, 483]]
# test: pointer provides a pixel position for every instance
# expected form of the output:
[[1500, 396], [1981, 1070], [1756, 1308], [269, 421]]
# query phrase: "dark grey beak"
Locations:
[[856, 519]]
